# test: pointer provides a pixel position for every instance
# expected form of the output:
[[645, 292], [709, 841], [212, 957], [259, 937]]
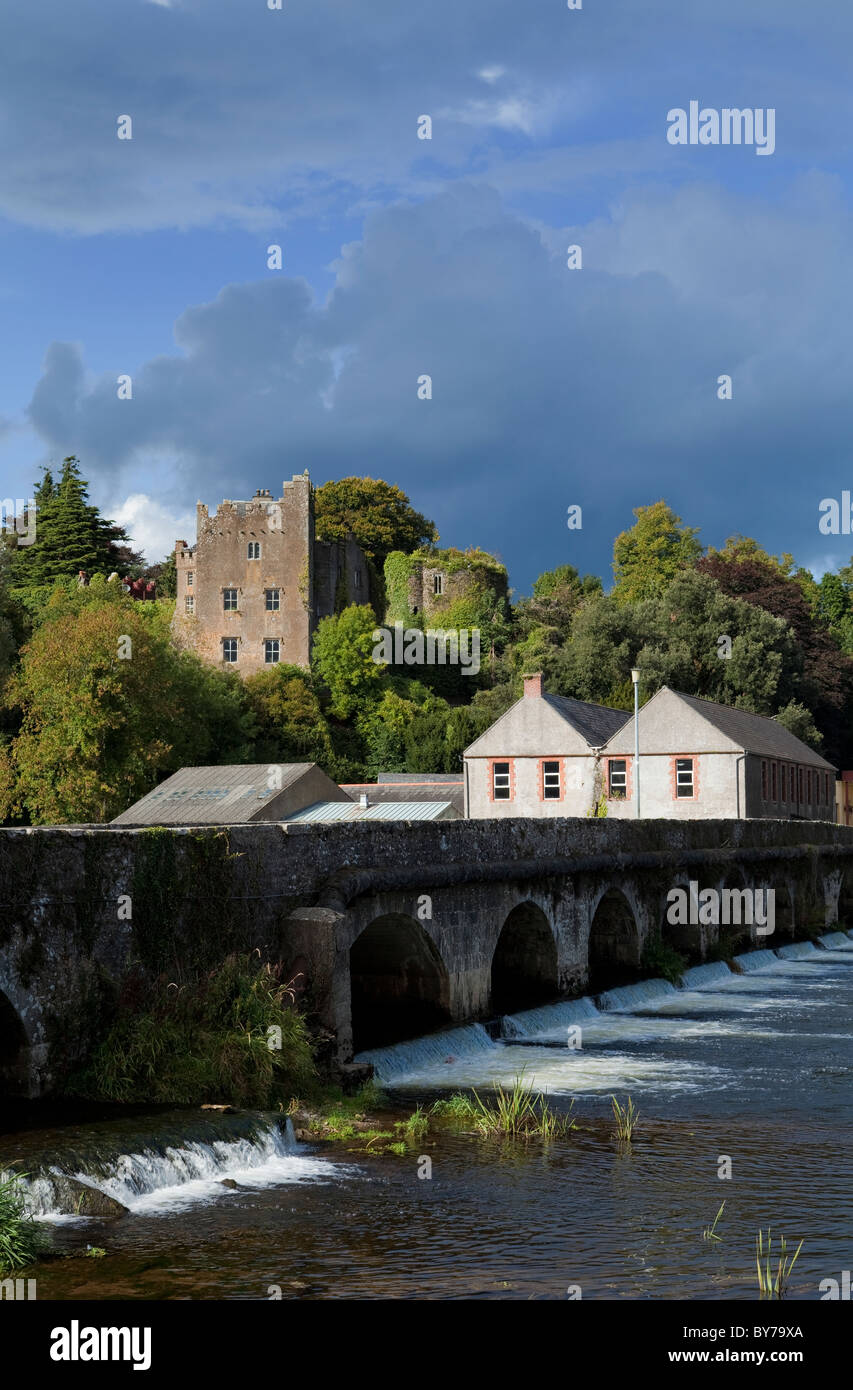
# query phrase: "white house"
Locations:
[[552, 756], [538, 759], [702, 760]]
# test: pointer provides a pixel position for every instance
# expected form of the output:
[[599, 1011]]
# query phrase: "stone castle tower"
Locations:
[[252, 589]]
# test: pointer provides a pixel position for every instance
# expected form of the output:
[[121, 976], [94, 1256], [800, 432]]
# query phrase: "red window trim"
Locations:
[[491, 778], [673, 776], [540, 778]]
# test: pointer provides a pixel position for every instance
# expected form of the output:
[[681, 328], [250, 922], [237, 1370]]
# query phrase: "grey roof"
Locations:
[[417, 778], [595, 723], [450, 788], [330, 811], [212, 795], [754, 733]]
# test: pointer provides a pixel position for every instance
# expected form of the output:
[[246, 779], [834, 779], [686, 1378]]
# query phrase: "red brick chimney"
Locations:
[[533, 685]]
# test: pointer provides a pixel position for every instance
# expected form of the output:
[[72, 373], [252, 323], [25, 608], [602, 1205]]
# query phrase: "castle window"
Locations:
[[438, 584], [229, 600], [229, 649], [254, 550], [273, 600], [271, 651], [189, 579], [190, 603]]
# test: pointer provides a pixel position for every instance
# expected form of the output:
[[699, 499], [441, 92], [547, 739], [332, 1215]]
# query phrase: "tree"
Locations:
[[797, 720], [377, 514], [342, 656], [71, 535], [648, 556], [291, 726], [108, 706]]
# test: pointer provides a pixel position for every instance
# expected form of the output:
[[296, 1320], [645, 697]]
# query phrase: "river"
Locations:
[[756, 1067]]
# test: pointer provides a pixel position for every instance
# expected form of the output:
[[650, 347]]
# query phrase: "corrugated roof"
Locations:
[[211, 795], [419, 778], [453, 791], [595, 723], [754, 733], [330, 811]]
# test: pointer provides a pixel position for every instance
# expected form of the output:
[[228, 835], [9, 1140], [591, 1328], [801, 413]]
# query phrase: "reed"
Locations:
[[770, 1285], [22, 1240], [710, 1232], [626, 1117], [520, 1112]]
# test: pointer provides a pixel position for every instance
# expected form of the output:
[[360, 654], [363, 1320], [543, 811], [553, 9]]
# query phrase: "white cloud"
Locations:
[[491, 74], [152, 527]]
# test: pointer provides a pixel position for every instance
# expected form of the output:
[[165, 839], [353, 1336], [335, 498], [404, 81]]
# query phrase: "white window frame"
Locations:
[[689, 775], [502, 781], [617, 791], [269, 643], [552, 790], [254, 550], [227, 645], [229, 607], [272, 600]]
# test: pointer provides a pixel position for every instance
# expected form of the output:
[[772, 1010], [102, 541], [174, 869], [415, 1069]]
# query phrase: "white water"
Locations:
[[637, 996], [756, 960], [573, 1046], [797, 950], [698, 976], [835, 941], [180, 1175], [437, 1049]]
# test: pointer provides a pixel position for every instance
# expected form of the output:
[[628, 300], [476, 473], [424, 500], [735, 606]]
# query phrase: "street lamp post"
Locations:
[[635, 677]]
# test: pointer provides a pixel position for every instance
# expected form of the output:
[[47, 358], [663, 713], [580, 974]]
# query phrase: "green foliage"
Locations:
[[626, 1117], [377, 514], [647, 558], [662, 961], [289, 721], [516, 1112], [22, 1240], [343, 659], [208, 1040], [770, 1284], [798, 721], [71, 535]]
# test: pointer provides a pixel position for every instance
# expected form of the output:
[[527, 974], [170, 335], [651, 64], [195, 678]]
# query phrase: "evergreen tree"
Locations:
[[71, 534]]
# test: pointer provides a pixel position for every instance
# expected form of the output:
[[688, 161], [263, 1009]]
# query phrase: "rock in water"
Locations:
[[75, 1198]]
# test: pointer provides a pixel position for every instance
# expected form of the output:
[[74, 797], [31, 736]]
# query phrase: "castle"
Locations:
[[252, 589]]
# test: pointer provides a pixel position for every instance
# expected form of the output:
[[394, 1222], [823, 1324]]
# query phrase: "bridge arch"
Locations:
[[14, 1050], [524, 963], [398, 981], [614, 941]]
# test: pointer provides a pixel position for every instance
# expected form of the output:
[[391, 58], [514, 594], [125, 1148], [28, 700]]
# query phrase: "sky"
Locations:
[[403, 258]]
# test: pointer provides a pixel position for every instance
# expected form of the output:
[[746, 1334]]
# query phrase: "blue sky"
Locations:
[[404, 257]]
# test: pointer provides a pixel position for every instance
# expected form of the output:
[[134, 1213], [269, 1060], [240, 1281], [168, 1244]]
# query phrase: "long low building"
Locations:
[[552, 756]]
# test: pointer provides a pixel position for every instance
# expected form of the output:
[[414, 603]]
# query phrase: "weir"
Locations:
[[390, 931]]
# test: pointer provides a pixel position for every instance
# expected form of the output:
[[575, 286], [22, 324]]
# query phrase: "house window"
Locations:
[[356, 579], [271, 651], [783, 776], [500, 782], [229, 600], [189, 601], [438, 584], [551, 789], [799, 784], [617, 778], [229, 649], [272, 598], [684, 782], [254, 550], [809, 786], [774, 789], [189, 579], [826, 787], [763, 781]]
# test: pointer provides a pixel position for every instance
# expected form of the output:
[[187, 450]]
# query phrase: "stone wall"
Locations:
[[83, 909]]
